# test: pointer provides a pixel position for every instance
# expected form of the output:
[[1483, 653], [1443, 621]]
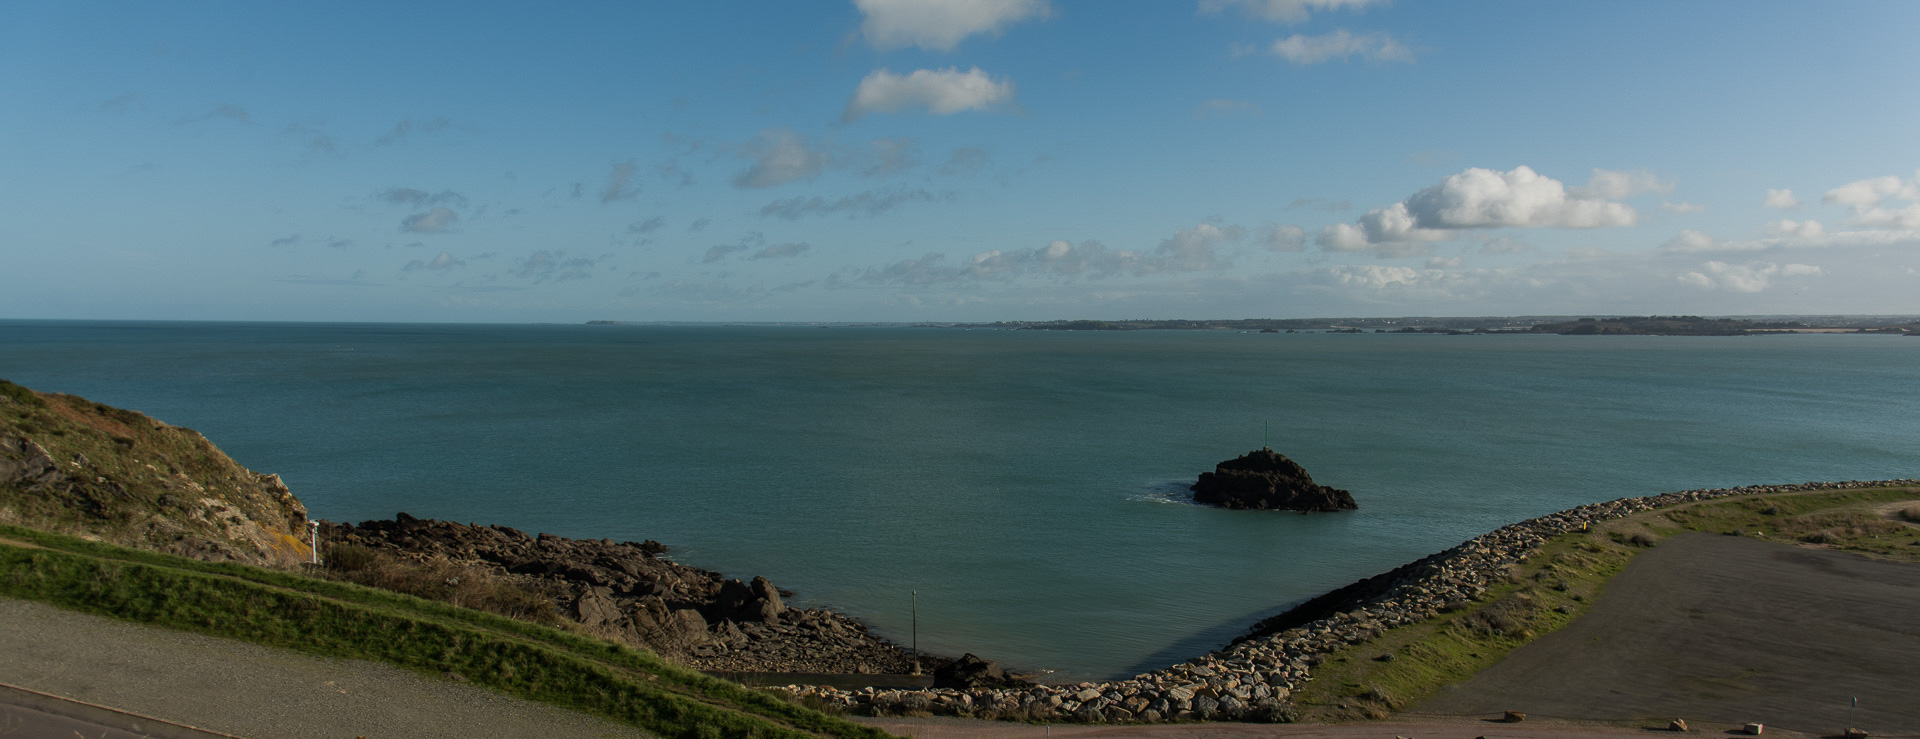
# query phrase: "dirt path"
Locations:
[[254, 691], [1726, 629], [952, 728]]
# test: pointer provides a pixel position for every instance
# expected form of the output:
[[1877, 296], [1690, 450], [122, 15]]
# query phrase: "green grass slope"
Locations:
[[282, 609]]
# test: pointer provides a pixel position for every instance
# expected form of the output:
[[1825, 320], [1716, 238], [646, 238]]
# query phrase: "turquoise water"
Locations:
[[1024, 483]]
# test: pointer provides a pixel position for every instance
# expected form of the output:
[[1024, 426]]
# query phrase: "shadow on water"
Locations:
[[1204, 641]]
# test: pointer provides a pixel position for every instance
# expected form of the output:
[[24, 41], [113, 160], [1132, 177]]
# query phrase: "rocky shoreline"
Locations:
[[1253, 678], [625, 591]]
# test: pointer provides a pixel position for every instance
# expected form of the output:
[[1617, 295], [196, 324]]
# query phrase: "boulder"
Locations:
[[973, 672], [1266, 480]]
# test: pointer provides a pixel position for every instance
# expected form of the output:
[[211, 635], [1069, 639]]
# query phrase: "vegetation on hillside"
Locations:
[[72, 465], [282, 609]]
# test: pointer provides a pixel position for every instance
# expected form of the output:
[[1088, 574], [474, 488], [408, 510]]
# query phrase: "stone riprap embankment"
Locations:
[[626, 592], [1253, 678]]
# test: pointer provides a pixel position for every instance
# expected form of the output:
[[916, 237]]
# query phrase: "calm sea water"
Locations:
[[1026, 484]]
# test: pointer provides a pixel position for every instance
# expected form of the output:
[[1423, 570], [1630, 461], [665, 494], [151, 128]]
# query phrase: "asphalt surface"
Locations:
[[1726, 629], [252, 691]]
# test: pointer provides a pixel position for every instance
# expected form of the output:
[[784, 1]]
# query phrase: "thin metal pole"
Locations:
[[313, 539], [916, 626], [1265, 443]]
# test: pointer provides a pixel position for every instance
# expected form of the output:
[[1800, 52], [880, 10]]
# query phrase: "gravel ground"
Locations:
[[254, 691], [1726, 629]]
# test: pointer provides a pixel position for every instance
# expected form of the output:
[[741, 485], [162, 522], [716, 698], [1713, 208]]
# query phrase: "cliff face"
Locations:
[[70, 465], [1266, 480]]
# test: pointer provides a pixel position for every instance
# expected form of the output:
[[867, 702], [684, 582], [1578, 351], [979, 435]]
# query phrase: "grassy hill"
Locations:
[[283, 609]]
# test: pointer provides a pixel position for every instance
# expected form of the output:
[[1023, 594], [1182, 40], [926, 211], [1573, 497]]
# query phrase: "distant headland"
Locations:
[[1563, 325]]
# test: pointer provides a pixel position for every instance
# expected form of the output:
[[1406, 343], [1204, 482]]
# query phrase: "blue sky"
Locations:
[[892, 160]]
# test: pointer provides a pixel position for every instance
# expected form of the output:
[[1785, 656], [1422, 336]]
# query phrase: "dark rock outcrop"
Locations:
[[1266, 480], [973, 672], [625, 591]]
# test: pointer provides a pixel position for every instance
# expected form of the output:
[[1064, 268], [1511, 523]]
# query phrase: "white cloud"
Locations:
[[1483, 198], [1864, 197], [1197, 248], [1743, 278], [1340, 44], [1690, 240], [1782, 199], [1871, 191], [940, 25], [1445, 262], [780, 156], [888, 156], [1283, 238], [1608, 184], [1808, 229], [940, 91], [1474, 199], [1681, 208], [1284, 11], [438, 220]]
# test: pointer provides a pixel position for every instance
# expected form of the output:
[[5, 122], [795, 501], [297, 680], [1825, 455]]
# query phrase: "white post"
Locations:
[[313, 539]]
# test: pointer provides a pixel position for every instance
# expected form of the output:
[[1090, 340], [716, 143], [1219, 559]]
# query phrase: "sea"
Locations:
[[1020, 495]]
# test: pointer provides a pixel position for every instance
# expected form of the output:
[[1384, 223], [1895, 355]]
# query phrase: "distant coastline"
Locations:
[[1562, 325]]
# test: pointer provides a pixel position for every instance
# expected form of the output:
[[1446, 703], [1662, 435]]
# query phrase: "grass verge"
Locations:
[[336, 619], [1562, 579]]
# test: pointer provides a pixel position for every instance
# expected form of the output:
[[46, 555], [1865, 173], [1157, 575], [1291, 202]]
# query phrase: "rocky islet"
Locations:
[[1264, 479]]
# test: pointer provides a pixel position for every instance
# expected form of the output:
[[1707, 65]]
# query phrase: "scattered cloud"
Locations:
[[1781, 199], [405, 129], [1341, 44], [939, 91], [358, 279], [1739, 278], [1608, 184], [1283, 238], [333, 243], [940, 25], [440, 263], [293, 240], [780, 156], [1807, 229], [1320, 204], [1690, 241], [647, 226], [419, 198], [1445, 262], [1188, 250], [1681, 208], [718, 252], [438, 220], [869, 203], [620, 185], [966, 161], [1505, 245], [314, 140], [782, 251], [228, 111], [1222, 107], [1474, 199], [1284, 11], [888, 156], [121, 104], [1864, 198], [699, 224], [553, 266]]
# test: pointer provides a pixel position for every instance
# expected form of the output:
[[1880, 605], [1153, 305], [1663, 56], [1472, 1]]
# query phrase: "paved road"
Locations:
[[254, 691], [1727, 629]]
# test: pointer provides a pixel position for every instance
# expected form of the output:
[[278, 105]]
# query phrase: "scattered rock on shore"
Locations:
[[1264, 479], [626, 592]]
